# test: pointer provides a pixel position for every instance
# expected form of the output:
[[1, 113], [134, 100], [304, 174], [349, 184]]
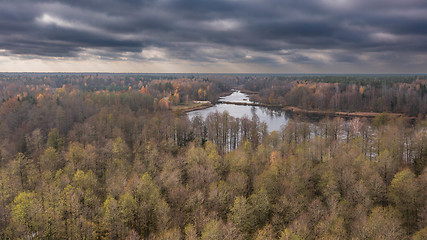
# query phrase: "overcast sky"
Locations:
[[266, 36]]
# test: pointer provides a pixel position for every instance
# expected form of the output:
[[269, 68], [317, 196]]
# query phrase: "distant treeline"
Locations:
[[396, 94]]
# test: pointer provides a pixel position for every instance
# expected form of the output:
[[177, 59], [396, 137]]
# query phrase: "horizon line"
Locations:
[[209, 73]]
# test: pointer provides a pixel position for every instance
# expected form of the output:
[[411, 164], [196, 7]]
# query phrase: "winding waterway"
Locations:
[[275, 119]]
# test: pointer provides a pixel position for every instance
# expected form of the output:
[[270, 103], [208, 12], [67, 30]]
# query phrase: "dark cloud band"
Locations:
[[268, 32]]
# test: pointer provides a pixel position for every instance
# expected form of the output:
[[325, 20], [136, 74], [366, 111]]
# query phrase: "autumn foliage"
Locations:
[[117, 163]]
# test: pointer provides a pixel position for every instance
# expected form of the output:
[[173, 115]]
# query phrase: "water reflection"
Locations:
[[236, 97], [274, 119]]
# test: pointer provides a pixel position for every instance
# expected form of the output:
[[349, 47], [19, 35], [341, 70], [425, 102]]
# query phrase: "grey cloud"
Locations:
[[209, 31]]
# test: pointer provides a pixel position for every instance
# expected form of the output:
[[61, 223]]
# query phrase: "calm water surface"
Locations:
[[237, 97], [274, 119]]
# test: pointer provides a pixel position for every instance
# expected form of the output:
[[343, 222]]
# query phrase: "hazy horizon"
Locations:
[[218, 73]]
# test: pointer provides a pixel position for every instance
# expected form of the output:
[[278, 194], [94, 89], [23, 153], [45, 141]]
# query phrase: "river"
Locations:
[[275, 119]]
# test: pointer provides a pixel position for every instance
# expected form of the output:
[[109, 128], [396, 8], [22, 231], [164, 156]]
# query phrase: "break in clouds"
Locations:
[[268, 35]]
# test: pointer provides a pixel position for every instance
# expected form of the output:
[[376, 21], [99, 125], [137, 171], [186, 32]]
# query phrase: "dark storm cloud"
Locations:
[[240, 31]]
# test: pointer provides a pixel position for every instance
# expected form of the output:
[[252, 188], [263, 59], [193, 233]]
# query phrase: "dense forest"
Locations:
[[397, 94], [87, 156]]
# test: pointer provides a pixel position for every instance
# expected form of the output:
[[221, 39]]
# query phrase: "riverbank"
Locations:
[[192, 107], [251, 104], [224, 94], [246, 91], [341, 114]]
